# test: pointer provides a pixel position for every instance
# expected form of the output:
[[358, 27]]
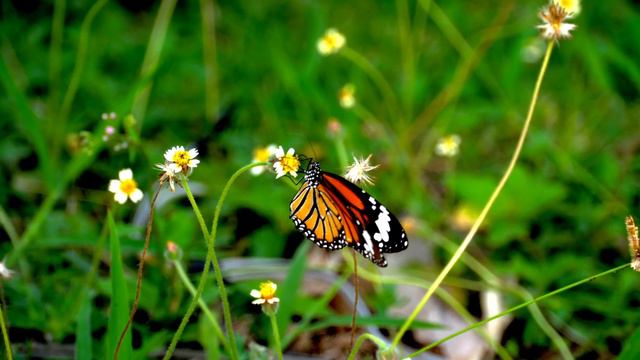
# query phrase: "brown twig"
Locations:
[[147, 236], [355, 302]]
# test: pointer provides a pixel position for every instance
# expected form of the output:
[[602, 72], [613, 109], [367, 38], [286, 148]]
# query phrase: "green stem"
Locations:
[[203, 306], [378, 79], [456, 256], [152, 57], [276, 335], [5, 335], [356, 347], [517, 307], [212, 240]]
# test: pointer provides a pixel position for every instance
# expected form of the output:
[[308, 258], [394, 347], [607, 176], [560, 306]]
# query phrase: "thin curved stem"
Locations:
[[5, 336], [143, 259], [354, 351], [517, 307], [203, 306], [514, 159]]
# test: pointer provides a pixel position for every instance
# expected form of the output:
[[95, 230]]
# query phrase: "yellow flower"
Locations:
[[266, 294], [181, 160], [357, 172], [554, 27], [286, 163], [262, 154], [125, 188], [448, 146], [346, 96], [570, 6], [331, 42]]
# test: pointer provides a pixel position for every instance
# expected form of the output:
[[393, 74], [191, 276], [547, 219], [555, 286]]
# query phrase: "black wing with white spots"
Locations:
[[332, 212]]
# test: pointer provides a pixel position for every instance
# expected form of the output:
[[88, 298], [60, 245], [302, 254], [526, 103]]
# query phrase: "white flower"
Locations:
[[266, 294], [168, 174], [448, 146], [554, 27], [346, 96], [357, 173], [262, 154], [331, 42], [181, 160], [5, 272], [286, 163], [125, 188]]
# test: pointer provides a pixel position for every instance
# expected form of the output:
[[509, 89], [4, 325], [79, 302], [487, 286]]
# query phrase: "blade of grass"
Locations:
[[289, 289], [74, 83], [152, 58], [119, 298], [28, 123], [84, 345], [207, 14]]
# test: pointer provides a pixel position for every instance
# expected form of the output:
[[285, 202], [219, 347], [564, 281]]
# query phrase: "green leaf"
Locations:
[[631, 349], [288, 292], [119, 299], [83, 330]]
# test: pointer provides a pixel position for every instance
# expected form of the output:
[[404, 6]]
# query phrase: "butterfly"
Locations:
[[334, 213]]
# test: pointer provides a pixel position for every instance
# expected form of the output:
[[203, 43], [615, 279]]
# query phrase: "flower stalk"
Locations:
[[514, 159]]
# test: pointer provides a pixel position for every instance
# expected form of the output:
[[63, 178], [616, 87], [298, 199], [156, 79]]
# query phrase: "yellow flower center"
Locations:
[[181, 158], [128, 186], [290, 163], [261, 154], [267, 290]]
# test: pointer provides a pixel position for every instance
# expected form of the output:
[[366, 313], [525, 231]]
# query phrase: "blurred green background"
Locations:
[[255, 78]]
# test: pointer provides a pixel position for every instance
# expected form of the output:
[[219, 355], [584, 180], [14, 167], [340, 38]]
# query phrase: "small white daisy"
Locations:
[[331, 42], [181, 160], [286, 163], [266, 294], [262, 154], [125, 187], [448, 146]]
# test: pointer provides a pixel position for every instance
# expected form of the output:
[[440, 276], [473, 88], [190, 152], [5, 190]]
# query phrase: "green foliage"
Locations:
[[558, 220]]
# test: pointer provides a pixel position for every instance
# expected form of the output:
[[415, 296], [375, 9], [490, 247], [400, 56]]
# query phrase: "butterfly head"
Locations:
[[312, 174]]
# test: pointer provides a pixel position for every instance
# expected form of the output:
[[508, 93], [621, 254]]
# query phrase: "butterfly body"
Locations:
[[334, 213]]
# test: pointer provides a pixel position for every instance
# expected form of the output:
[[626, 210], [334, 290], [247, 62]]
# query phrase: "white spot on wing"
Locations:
[[384, 224]]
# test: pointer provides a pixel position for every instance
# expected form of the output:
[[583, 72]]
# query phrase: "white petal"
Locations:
[[136, 195], [293, 173], [258, 301], [273, 300], [114, 186], [256, 294], [279, 152], [125, 174], [193, 163], [175, 168], [290, 152], [168, 155], [193, 153], [257, 170], [120, 197]]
